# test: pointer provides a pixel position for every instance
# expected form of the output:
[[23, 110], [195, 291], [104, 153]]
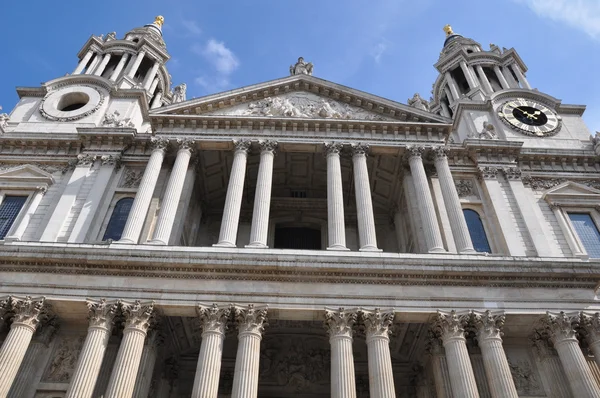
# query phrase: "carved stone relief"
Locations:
[[114, 119], [540, 183], [64, 360], [131, 178], [525, 378], [465, 188]]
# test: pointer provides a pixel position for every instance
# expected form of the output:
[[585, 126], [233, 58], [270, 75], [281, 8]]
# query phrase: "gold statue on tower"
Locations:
[[159, 20], [448, 30]]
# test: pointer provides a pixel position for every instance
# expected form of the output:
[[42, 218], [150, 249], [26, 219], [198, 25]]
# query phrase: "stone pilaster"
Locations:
[[262, 198], [449, 326], [439, 367], [138, 317], [139, 208], [143, 379], [28, 313], [101, 318], [235, 191], [377, 329], [339, 324], [168, 206], [460, 231], [250, 322], [335, 198], [591, 325], [364, 205], [489, 337], [561, 328], [213, 321], [431, 228]]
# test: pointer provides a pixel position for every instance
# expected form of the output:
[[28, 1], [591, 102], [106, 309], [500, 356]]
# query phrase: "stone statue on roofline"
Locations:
[[418, 102], [179, 93], [301, 68]]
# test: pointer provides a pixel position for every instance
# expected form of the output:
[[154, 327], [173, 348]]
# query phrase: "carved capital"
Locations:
[[102, 313], [464, 188], [434, 344], [591, 325], [138, 315], [28, 311], [242, 145], [156, 337], [488, 325], [159, 143], [333, 147], [268, 146], [440, 152], [359, 148], [339, 322], [377, 323], [512, 173], [111, 160], [562, 326], [41, 189], [86, 159], [487, 172], [4, 306], [450, 325], [213, 319], [250, 319], [186, 143], [47, 330], [414, 151]]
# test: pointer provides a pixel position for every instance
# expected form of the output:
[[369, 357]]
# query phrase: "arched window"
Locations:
[[477, 232], [115, 226]]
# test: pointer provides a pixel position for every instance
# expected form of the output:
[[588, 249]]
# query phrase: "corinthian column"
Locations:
[[137, 321], [498, 373], [235, 191], [27, 316], [262, 198], [143, 379], [460, 231], [364, 205], [250, 322], [335, 198], [449, 326], [591, 324], [101, 317], [168, 207], [339, 324], [431, 228], [139, 208], [4, 309], [213, 321], [381, 376], [439, 367], [563, 335]]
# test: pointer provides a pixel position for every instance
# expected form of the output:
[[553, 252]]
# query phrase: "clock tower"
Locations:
[[488, 96]]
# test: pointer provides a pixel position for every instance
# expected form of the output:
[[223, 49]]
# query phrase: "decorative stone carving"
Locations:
[[138, 315], [179, 93], [540, 183], [46, 331], [242, 145], [110, 160], [159, 143], [359, 148], [376, 322], [440, 151], [448, 325], [465, 188], [340, 322], [591, 324], [414, 151], [525, 378], [595, 139], [102, 313], [63, 363], [86, 159], [541, 344], [4, 118], [213, 318], [111, 36], [512, 173], [27, 310], [562, 325], [418, 102], [131, 178], [488, 132], [251, 319], [186, 143], [113, 120], [488, 325], [487, 172], [49, 111], [495, 49], [268, 145], [4, 306], [301, 68], [333, 147]]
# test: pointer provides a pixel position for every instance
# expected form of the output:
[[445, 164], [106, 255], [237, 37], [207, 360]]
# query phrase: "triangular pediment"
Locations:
[[301, 97], [572, 194], [26, 173], [571, 188]]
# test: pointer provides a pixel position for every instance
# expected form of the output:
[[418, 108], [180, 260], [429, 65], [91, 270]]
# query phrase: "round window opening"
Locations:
[[73, 101]]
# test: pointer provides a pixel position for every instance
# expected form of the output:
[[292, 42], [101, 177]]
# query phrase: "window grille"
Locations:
[[9, 210]]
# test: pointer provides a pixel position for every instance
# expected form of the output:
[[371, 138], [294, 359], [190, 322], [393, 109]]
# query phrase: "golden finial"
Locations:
[[159, 20], [448, 30]]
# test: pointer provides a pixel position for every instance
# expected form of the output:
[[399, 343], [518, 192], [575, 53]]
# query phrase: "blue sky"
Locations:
[[385, 47]]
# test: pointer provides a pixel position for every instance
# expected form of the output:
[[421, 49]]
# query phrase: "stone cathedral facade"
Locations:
[[296, 238]]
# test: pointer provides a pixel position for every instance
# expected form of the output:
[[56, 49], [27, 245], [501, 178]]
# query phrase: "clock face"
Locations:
[[530, 117]]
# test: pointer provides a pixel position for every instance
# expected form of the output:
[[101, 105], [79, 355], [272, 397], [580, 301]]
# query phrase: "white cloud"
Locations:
[[191, 27], [378, 50], [579, 14], [224, 62], [213, 83]]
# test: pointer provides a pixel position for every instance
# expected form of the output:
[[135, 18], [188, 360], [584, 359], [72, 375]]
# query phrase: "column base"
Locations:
[[469, 251], [437, 250], [12, 239], [156, 242], [125, 242], [338, 248], [256, 246], [369, 249], [224, 244]]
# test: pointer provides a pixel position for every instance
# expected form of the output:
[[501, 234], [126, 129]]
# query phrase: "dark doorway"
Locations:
[[297, 238]]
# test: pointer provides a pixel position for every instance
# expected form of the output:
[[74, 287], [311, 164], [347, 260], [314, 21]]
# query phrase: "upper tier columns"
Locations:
[[450, 328], [150, 76], [235, 191], [335, 198], [468, 75], [115, 75], [100, 69], [139, 208], [168, 207], [484, 79], [460, 231], [251, 323], [136, 64], [431, 228], [339, 324], [84, 61], [520, 76], [453, 86], [28, 312], [381, 376], [500, 75], [563, 335], [262, 198], [364, 204]]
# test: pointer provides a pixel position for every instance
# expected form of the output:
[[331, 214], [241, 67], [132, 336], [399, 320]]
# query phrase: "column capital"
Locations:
[[434, 345], [488, 325], [333, 147], [159, 143], [591, 324], [251, 319], [86, 159], [359, 148], [138, 315], [377, 323], [111, 160], [156, 337], [101, 314], [268, 146], [440, 151], [487, 172], [562, 326], [4, 306], [512, 173], [450, 325], [339, 322], [28, 311], [186, 143], [414, 151], [47, 330], [242, 145], [213, 319]]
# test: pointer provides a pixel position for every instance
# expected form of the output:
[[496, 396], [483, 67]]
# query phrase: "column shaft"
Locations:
[[441, 376], [12, 353], [139, 208], [233, 200], [93, 65], [83, 62], [453, 86], [23, 380], [335, 199], [262, 198], [501, 77], [136, 64], [151, 74], [88, 366], [157, 101], [168, 208], [206, 381], [578, 372], [343, 383], [497, 370], [462, 378], [520, 76], [467, 72], [486, 82], [381, 377], [153, 86], [122, 379], [364, 205], [102, 65], [115, 75], [143, 379]]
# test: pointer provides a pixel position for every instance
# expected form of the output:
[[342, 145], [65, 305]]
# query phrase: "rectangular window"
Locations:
[[588, 232], [9, 210]]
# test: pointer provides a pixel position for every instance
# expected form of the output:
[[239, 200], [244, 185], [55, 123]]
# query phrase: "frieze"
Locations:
[[63, 363], [115, 120], [541, 183]]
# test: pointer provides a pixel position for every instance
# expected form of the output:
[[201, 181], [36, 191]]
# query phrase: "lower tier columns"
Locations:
[[381, 376], [339, 324]]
